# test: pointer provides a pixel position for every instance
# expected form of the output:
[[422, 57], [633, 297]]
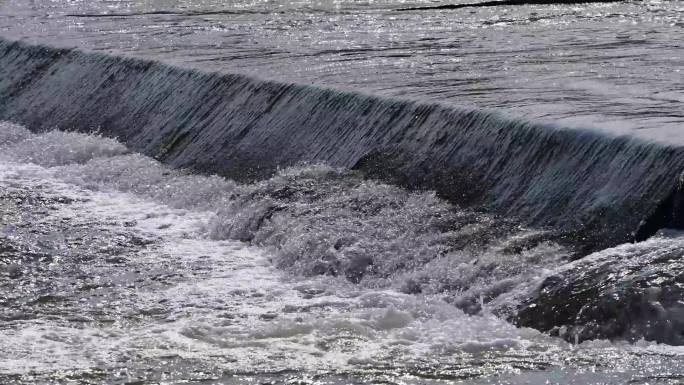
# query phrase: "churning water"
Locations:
[[117, 269], [360, 193]]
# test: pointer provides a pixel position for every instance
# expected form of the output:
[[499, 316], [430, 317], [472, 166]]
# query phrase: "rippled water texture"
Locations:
[[611, 66]]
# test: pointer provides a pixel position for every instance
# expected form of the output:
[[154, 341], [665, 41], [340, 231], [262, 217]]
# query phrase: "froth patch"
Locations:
[[57, 148], [12, 133]]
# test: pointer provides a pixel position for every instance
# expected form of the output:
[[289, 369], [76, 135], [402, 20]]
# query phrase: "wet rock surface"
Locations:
[[630, 292]]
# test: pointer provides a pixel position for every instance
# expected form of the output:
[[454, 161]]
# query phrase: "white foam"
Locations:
[[57, 148], [232, 308]]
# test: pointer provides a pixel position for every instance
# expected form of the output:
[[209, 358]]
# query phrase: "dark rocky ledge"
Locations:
[[629, 292]]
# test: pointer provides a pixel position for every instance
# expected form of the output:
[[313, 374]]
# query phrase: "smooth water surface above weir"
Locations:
[[611, 66]]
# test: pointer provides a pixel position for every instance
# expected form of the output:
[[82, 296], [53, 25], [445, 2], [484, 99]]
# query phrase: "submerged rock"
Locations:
[[629, 292]]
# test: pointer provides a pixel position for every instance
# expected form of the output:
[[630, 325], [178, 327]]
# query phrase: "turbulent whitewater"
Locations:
[[114, 276]]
